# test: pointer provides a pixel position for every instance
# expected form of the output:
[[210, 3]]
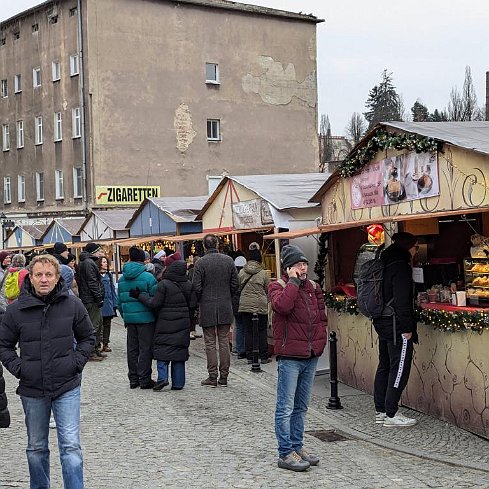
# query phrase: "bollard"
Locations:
[[255, 365], [334, 401]]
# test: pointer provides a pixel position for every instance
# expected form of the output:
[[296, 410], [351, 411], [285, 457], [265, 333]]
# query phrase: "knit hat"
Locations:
[[254, 246], [161, 254], [136, 254], [3, 255], [60, 248], [404, 240], [291, 255], [240, 261], [147, 256], [255, 255], [92, 248], [172, 258]]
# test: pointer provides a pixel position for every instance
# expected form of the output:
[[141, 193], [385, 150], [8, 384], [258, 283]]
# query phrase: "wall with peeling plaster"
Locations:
[[449, 376], [149, 101]]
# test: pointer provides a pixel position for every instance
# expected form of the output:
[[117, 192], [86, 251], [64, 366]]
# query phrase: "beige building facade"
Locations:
[[168, 93]]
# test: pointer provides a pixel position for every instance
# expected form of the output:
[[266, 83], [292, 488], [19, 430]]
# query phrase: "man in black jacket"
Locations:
[[91, 291], [397, 332], [44, 322]]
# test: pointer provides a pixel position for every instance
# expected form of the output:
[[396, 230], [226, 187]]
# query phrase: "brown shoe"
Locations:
[[94, 358], [210, 382], [223, 382], [107, 348]]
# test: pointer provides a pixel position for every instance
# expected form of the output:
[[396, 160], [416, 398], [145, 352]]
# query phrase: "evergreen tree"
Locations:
[[383, 103], [419, 112], [438, 116]]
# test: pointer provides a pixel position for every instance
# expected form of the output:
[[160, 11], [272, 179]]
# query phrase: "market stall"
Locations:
[[25, 236], [106, 224], [428, 179], [63, 230]]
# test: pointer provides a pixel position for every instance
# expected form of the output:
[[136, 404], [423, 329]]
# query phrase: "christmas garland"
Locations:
[[381, 140], [443, 320]]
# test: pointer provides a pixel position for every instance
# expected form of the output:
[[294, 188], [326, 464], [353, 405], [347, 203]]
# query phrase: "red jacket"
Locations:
[[299, 318]]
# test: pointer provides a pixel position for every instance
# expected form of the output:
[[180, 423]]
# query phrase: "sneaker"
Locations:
[[52, 423], [210, 382], [149, 385], [107, 348], [160, 384], [399, 420], [222, 382], [380, 417], [294, 462], [192, 335], [308, 457]]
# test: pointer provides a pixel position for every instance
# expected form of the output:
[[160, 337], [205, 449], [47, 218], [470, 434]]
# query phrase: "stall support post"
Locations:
[[255, 366], [277, 254], [334, 401]]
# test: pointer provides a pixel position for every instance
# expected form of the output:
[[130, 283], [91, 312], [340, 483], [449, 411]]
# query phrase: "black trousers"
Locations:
[[107, 322], [247, 319], [140, 352], [392, 374]]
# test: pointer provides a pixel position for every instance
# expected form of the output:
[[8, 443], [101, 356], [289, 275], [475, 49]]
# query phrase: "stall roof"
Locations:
[[35, 230], [72, 225], [283, 190], [179, 209], [115, 219]]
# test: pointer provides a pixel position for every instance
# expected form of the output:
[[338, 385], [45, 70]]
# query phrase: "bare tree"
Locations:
[[356, 127], [463, 106], [325, 143]]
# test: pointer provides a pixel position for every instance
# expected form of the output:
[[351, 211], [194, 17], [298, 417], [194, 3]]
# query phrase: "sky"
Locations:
[[426, 44]]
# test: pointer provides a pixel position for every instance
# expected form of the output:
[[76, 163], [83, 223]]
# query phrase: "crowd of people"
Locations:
[[57, 317]]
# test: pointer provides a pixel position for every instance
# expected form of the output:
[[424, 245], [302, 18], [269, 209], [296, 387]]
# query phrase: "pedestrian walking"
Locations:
[[397, 330], [71, 262], [138, 319], [4, 412], [216, 284], [92, 292], [174, 304], [299, 332], [16, 274], [158, 262], [195, 318], [5, 260], [239, 345], [110, 301], [42, 323], [61, 253]]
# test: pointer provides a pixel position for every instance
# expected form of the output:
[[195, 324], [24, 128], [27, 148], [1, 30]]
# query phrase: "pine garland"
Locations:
[[382, 140], [442, 320]]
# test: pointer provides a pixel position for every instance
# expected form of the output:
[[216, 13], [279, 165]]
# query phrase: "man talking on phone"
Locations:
[[300, 334]]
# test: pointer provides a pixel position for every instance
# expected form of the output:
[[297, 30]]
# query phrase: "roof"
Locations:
[[181, 209], [116, 219], [471, 135], [35, 230], [218, 4], [71, 225], [283, 191]]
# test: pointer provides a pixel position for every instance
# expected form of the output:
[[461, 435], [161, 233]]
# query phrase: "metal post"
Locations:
[[334, 401], [255, 366]]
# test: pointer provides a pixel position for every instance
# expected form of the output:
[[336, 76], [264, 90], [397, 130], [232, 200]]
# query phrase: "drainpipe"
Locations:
[[82, 109]]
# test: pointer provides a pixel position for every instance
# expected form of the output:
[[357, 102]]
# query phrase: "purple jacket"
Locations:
[[299, 318]]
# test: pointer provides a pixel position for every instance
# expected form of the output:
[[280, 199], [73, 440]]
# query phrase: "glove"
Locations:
[[134, 293]]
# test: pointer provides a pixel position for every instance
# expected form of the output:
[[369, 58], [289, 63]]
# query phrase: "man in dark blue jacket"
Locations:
[[45, 321]]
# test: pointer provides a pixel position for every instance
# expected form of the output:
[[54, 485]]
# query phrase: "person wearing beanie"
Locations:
[[174, 304], [158, 261], [147, 262], [300, 332], [61, 252], [5, 260], [139, 320], [91, 292], [397, 332]]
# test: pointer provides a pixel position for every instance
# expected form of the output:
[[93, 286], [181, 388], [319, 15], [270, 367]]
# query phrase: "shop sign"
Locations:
[[396, 179], [251, 214], [124, 194]]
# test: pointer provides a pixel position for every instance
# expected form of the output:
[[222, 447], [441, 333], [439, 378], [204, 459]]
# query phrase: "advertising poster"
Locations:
[[250, 214]]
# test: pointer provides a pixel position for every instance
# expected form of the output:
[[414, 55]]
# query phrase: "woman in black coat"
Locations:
[[174, 304]]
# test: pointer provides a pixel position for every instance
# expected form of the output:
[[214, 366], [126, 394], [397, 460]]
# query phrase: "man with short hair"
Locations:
[[43, 322], [216, 284], [299, 334], [91, 292]]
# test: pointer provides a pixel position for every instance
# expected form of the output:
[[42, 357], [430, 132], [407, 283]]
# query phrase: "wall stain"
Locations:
[[182, 123]]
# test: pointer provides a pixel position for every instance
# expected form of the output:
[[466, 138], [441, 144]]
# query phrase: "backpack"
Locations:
[[12, 289]]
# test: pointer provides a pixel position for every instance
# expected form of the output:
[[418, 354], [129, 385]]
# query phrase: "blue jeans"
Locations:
[[240, 335], [66, 411], [177, 373], [294, 388]]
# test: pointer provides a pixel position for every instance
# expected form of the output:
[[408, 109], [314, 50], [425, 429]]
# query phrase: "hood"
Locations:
[[14, 269], [62, 259], [177, 271], [133, 269], [395, 253], [84, 255], [28, 297], [252, 267]]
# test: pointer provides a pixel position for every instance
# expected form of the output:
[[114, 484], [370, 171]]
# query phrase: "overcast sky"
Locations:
[[425, 43]]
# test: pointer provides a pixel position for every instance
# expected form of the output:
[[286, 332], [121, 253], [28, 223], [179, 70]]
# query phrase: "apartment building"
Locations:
[[150, 92]]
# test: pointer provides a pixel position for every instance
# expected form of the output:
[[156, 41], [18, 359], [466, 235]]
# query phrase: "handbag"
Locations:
[[237, 296]]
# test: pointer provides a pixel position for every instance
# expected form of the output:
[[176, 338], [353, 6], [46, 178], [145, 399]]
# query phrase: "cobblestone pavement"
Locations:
[[223, 438]]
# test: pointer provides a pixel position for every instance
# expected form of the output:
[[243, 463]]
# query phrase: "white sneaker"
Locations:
[[399, 420], [379, 417], [52, 423]]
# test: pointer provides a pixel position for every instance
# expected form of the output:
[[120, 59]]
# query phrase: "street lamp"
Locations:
[[6, 224]]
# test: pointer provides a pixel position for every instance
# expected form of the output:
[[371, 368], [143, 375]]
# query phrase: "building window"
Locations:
[[212, 73], [56, 69], [75, 122], [35, 28], [18, 83], [53, 19], [20, 134], [16, 35], [36, 77], [77, 183], [7, 190], [213, 130], [58, 130], [38, 130], [58, 176], [74, 65], [4, 89], [21, 188], [39, 186], [3, 41], [73, 11], [5, 137]]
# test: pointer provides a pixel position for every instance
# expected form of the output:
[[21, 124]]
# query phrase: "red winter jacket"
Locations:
[[299, 318]]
